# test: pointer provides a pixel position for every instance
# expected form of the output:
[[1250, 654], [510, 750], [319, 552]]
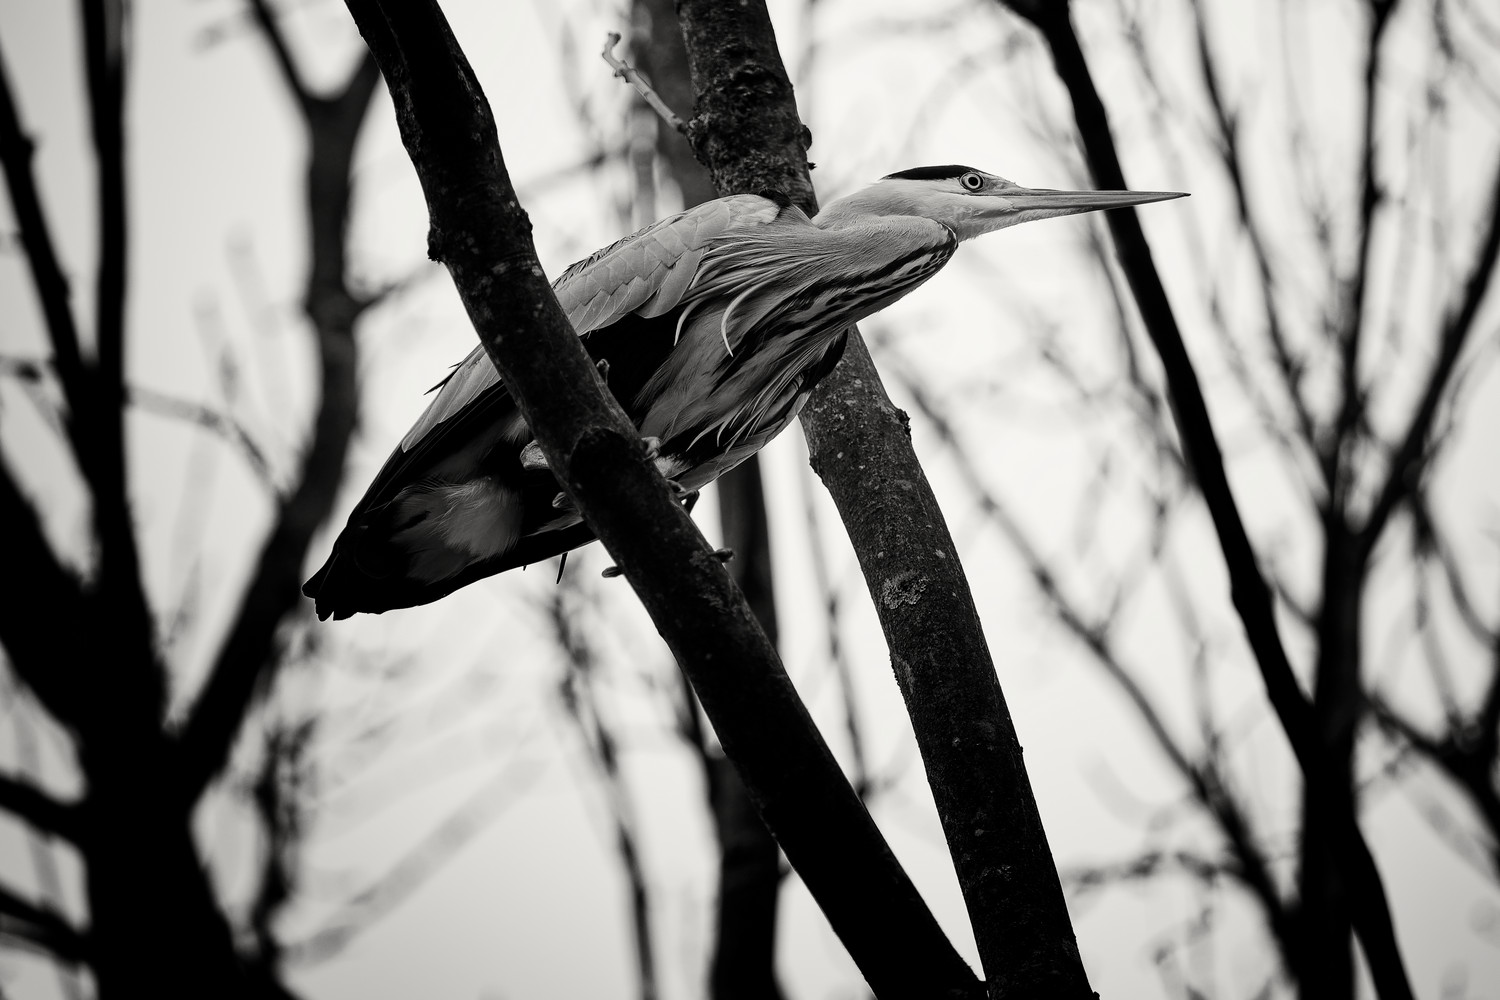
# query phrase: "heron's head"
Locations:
[[971, 202]]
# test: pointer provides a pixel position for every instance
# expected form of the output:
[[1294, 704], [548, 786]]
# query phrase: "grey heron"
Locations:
[[712, 327]]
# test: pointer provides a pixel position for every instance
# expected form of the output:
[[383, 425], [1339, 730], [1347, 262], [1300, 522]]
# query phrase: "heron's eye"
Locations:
[[972, 181]]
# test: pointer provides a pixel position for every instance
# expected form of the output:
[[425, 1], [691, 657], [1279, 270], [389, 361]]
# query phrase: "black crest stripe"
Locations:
[[930, 173]]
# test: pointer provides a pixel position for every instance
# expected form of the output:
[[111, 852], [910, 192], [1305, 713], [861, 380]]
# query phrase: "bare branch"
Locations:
[[26, 925], [46, 814], [47, 658], [1411, 457], [214, 421], [1291, 366], [249, 653], [628, 73], [1249, 592], [1350, 325], [1466, 754], [46, 272], [266, 20], [1146, 866]]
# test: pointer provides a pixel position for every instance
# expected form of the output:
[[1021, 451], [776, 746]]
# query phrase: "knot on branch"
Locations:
[[904, 588]]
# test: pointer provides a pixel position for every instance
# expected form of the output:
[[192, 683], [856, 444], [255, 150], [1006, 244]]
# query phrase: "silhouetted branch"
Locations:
[[49, 659], [1468, 752], [249, 654], [1349, 324], [40, 845], [1147, 866], [119, 583], [1410, 459], [1249, 592], [1292, 367], [16, 151], [278, 792], [27, 925], [45, 814], [291, 76], [214, 421]]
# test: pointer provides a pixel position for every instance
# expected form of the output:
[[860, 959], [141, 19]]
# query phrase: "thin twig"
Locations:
[[210, 419], [629, 74]]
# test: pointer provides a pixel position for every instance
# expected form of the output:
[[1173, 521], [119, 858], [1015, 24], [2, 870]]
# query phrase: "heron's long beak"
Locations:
[[1053, 204]]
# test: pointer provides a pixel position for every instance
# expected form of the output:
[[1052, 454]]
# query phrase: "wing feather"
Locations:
[[647, 273]]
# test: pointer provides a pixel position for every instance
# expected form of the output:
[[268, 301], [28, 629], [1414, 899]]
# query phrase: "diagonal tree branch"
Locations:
[[1250, 865], [479, 231], [748, 132]]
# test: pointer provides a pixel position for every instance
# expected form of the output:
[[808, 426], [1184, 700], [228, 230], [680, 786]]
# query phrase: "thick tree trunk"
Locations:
[[1325, 959], [155, 926]]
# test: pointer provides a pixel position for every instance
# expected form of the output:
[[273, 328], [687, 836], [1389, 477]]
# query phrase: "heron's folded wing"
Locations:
[[647, 272]]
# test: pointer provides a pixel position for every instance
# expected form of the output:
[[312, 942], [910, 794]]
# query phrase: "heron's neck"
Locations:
[[876, 201]]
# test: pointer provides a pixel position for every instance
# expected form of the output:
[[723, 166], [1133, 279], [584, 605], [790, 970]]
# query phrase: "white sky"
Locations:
[[464, 691]]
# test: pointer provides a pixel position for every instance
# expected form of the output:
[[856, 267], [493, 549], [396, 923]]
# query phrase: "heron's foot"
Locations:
[[610, 572], [602, 366], [653, 447], [723, 555], [561, 502]]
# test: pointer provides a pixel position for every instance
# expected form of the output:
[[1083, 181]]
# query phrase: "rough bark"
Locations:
[[747, 130], [479, 231]]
